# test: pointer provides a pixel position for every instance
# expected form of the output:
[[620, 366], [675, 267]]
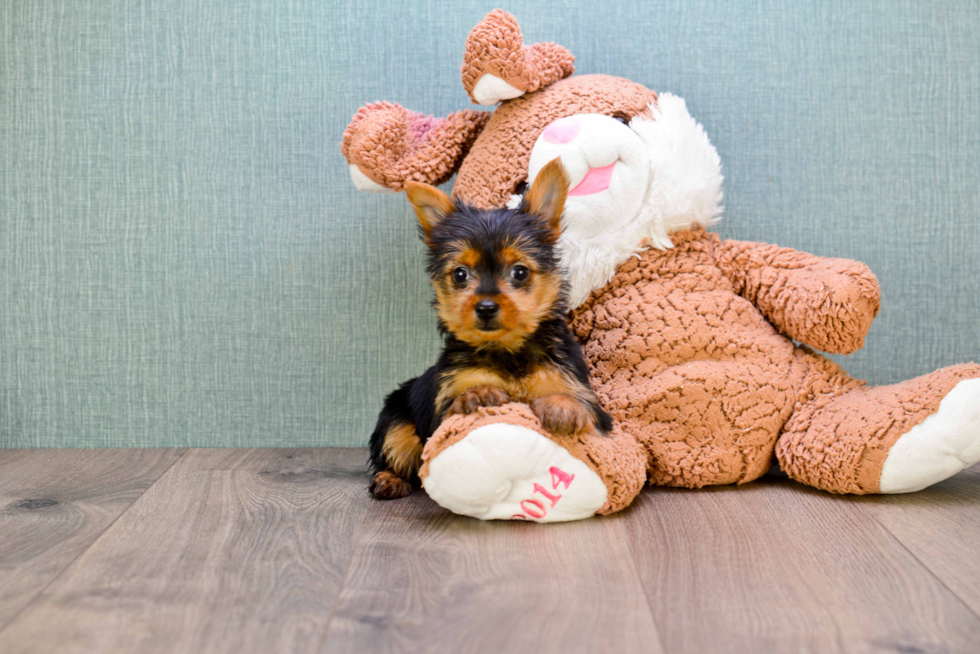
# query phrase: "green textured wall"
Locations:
[[184, 260]]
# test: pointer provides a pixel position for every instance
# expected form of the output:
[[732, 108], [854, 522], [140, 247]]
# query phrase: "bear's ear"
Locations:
[[546, 197], [386, 145], [498, 66]]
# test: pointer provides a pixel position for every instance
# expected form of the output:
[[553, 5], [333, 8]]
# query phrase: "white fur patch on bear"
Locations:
[[490, 89], [364, 183], [506, 472], [667, 177], [937, 448]]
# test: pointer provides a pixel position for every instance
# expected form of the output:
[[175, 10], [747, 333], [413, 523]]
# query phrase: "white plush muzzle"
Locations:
[[631, 186]]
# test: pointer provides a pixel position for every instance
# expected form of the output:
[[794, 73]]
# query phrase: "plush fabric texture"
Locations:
[[496, 47], [691, 368], [945, 443], [509, 472], [391, 145], [616, 458], [826, 303], [839, 441], [497, 164], [685, 351], [665, 151]]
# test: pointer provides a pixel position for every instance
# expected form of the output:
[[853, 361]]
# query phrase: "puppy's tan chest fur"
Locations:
[[541, 382]]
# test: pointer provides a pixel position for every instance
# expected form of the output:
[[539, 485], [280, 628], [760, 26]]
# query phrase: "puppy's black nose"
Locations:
[[486, 309]]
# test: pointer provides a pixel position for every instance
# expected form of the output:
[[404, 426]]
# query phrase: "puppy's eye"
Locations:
[[520, 273], [460, 275]]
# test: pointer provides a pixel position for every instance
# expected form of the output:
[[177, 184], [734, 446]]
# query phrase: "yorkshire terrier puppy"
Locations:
[[501, 301]]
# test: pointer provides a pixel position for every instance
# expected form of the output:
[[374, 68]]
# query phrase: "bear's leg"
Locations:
[[500, 464], [706, 423], [887, 439]]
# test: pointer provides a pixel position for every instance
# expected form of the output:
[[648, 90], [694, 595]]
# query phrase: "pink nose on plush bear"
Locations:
[[563, 130]]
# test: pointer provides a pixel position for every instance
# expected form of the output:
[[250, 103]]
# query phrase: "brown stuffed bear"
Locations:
[[689, 337]]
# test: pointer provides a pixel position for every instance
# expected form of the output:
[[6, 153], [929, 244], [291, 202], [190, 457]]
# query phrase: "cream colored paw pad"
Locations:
[[937, 448], [506, 472]]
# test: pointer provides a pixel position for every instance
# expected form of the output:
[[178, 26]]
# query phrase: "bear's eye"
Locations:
[[460, 275], [520, 273]]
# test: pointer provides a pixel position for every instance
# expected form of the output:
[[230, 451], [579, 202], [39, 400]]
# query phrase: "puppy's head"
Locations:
[[495, 272]]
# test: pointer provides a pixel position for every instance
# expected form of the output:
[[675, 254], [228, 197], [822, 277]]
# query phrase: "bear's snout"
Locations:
[[562, 130]]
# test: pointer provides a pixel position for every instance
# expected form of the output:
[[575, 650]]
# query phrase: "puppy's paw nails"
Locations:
[[386, 485], [562, 415], [479, 396]]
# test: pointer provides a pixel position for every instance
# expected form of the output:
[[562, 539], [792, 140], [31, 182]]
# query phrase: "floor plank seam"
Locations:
[[922, 563], [343, 583], [646, 596], [109, 526]]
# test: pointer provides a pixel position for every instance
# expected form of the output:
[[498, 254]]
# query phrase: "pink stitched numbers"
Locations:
[[538, 510], [534, 507]]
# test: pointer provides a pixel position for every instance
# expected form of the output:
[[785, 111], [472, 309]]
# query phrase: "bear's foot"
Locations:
[[887, 439], [500, 464], [507, 472], [937, 448]]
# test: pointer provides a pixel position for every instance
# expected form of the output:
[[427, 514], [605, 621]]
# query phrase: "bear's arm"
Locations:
[[827, 304]]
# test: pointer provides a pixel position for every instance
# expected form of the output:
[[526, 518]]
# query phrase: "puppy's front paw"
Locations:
[[478, 396], [562, 415], [386, 485]]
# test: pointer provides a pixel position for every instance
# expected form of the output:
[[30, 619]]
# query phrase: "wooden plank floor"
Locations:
[[282, 551]]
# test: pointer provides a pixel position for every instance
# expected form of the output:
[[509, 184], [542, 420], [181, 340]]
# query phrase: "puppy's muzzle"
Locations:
[[487, 312]]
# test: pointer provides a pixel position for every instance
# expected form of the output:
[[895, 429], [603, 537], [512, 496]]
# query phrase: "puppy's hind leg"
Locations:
[[396, 450], [402, 451]]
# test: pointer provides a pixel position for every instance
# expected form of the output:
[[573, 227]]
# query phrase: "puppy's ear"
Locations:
[[546, 197], [431, 205]]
